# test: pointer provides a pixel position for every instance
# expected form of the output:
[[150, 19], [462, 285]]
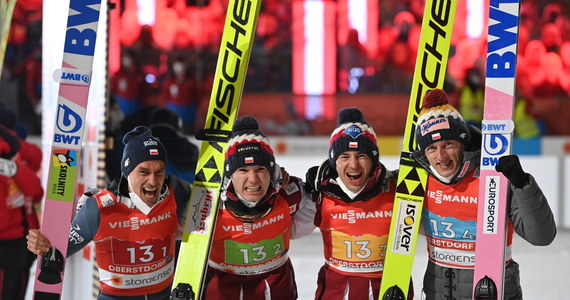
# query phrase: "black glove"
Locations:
[[511, 167], [310, 178], [11, 140]]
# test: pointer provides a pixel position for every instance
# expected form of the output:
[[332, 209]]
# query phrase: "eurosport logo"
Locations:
[[492, 185]]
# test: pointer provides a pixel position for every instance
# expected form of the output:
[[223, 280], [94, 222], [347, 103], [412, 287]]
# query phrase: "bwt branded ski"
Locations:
[[431, 64], [233, 59], [497, 129], [59, 207], [6, 10]]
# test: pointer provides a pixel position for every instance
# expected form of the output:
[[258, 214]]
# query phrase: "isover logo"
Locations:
[[68, 122], [406, 223]]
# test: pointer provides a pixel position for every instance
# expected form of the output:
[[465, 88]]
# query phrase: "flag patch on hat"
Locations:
[[153, 151], [248, 160], [353, 145], [436, 136]]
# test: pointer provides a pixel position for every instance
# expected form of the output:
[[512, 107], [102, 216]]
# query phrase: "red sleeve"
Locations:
[[31, 155], [4, 215], [27, 180]]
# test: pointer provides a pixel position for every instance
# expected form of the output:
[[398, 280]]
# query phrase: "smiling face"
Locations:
[[445, 156], [354, 168], [251, 182], [147, 179]]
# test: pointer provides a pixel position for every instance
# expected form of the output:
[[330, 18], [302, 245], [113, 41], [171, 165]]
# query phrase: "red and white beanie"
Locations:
[[353, 133], [248, 146], [439, 121]]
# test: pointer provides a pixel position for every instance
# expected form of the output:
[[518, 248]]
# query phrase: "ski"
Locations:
[[74, 79], [231, 67], [497, 130], [429, 73], [6, 10]]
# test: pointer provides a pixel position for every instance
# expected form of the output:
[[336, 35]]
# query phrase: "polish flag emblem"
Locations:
[[353, 145], [249, 160], [153, 151], [436, 136]]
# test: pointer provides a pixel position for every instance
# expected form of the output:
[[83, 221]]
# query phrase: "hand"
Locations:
[[9, 143], [284, 178], [511, 167], [8, 168], [310, 178], [37, 242]]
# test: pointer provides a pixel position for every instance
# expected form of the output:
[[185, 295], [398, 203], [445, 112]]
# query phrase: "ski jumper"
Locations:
[[135, 252], [355, 236], [249, 260], [18, 194], [449, 219]]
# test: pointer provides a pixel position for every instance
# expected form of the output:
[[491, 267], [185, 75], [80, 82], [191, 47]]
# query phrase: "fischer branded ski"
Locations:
[[431, 65], [497, 130], [59, 207], [6, 10], [233, 59]]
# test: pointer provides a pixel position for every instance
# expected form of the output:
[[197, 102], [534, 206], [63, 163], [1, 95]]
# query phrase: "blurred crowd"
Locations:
[[171, 63]]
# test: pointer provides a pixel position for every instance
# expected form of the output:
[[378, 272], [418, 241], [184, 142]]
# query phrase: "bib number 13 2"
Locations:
[[248, 254]]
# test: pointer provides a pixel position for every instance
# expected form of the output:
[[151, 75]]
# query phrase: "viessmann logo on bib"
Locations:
[[136, 223]]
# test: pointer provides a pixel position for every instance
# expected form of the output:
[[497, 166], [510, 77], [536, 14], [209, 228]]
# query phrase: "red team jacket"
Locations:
[[135, 252]]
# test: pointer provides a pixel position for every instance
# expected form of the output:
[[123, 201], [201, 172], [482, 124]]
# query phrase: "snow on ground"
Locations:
[[543, 269]]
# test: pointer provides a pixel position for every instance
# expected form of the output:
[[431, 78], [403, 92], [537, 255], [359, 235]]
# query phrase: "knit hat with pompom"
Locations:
[[439, 121], [248, 146], [353, 133], [140, 146]]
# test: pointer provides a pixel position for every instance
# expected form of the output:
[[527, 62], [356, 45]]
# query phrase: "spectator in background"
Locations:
[[472, 96], [166, 126], [19, 187], [182, 154], [527, 125], [353, 63], [181, 94], [114, 148], [551, 37], [151, 61], [127, 84]]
